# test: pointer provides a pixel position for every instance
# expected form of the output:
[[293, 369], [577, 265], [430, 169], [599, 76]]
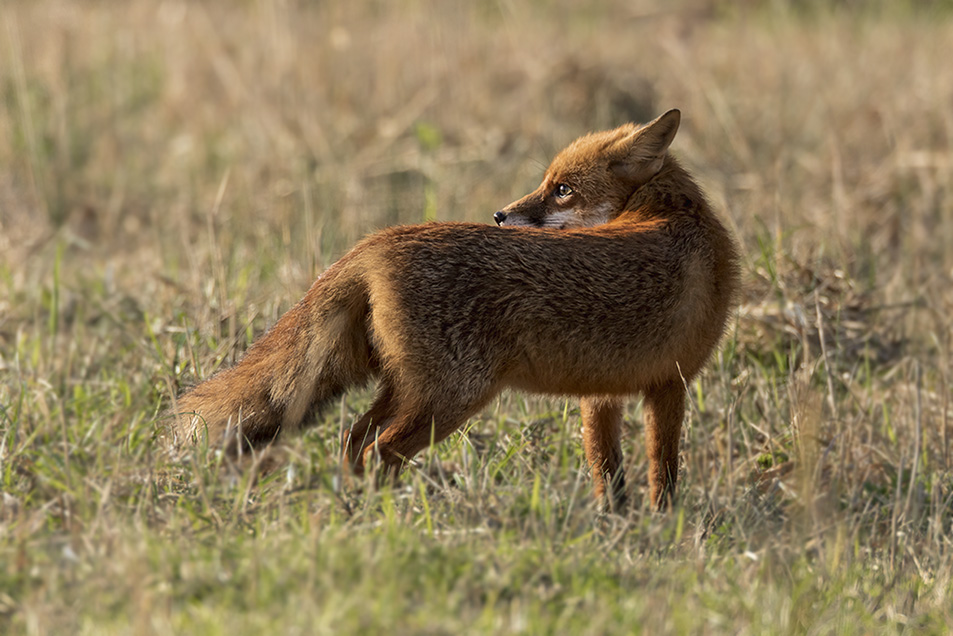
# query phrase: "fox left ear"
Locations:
[[647, 146]]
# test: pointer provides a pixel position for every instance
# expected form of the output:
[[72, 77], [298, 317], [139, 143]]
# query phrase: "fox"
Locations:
[[613, 278]]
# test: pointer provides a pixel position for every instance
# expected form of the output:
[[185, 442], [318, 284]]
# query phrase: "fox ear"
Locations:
[[644, 150]]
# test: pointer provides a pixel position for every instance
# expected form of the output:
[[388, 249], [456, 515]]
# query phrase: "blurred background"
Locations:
[[150, 136]]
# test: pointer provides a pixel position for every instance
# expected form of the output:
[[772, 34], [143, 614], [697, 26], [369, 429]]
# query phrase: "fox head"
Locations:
[[590, 181]]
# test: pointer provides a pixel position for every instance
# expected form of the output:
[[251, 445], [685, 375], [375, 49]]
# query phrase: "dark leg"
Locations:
[[407, 434], [364, 432]]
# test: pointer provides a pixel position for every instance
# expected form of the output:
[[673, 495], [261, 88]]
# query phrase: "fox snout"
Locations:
[[536, 210], [530, 211]]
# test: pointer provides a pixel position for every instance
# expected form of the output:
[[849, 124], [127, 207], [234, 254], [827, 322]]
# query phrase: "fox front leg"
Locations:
[[664, 407], [602, 428]]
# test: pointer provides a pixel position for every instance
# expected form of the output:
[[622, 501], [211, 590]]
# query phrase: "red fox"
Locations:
[[612, 278]]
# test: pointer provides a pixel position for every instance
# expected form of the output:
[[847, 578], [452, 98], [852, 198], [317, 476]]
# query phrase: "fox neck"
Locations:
[[670, 192]]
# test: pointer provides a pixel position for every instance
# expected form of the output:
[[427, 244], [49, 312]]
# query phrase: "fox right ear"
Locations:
[[657, 135], [647, 145]]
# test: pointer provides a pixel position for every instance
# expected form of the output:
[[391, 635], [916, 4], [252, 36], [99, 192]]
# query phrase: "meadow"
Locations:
[[173, 175]]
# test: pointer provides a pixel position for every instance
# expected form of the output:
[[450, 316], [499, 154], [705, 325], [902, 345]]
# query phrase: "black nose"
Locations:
[[499, 217]]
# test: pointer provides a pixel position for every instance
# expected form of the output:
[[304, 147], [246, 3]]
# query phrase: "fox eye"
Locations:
[[563, 191]]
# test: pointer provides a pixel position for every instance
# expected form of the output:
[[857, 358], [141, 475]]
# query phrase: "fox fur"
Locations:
[[613, 278]]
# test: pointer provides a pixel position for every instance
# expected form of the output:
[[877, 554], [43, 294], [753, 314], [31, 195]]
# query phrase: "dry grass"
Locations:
[[173, 175]]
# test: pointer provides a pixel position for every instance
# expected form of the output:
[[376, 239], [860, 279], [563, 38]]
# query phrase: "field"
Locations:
[[173, 175]]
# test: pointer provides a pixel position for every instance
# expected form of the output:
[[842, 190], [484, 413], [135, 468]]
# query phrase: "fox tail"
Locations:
[[315, 352]]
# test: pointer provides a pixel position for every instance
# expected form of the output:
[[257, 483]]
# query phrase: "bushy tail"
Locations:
[[312, 354]]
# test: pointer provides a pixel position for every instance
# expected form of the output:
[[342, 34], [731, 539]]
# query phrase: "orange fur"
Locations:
[[627, 292]]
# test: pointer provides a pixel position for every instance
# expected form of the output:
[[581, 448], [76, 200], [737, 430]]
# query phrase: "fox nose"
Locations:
[[499, 217]]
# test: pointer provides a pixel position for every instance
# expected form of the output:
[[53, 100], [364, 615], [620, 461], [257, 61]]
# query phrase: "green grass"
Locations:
[[174, 175]]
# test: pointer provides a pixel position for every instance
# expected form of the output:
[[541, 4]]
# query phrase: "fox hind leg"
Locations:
[[365, 431], [602, 426], [411, 430]]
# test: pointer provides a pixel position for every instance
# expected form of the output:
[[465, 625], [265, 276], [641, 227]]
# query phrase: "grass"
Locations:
[[173, 175]]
